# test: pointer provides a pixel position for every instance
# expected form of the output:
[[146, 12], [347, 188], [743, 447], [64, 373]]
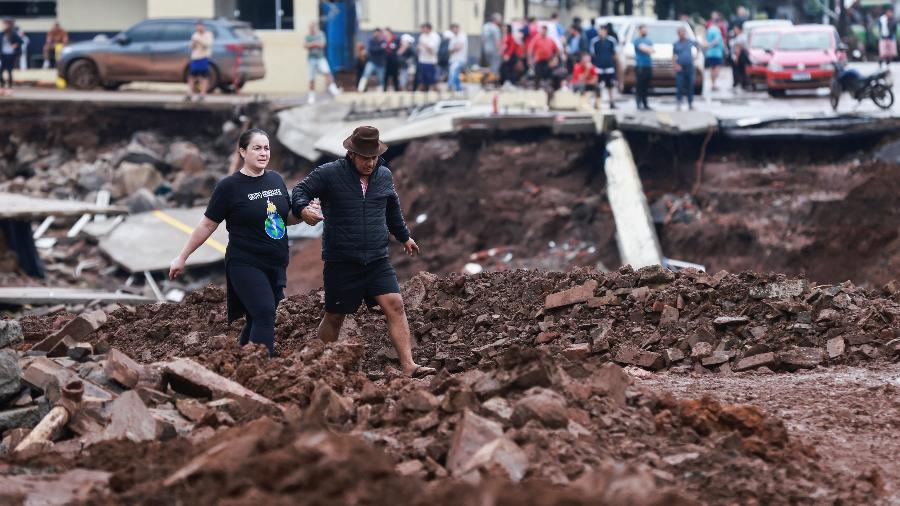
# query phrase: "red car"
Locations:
[[804, 58], [761, 41]]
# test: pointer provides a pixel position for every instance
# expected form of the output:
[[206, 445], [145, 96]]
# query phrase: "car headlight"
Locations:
[[775, 67]]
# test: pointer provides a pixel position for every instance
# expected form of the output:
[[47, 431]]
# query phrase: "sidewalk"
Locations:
[[42, 78]]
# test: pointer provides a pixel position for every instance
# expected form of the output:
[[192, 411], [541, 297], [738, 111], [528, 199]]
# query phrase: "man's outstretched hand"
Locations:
[[412, 249], [312, 213]]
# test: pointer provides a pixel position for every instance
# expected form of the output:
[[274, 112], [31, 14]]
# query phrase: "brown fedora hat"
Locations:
[[364, 141]]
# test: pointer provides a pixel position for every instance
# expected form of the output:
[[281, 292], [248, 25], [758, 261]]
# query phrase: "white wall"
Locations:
[[100, 15]]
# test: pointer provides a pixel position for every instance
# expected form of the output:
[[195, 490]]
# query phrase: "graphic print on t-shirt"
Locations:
[[274, 224]]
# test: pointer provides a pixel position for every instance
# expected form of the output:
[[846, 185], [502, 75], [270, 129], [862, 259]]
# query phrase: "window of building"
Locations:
[[27, 9], [261, 14]]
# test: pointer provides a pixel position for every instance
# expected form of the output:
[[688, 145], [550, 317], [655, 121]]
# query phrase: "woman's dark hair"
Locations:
[[244, 139]]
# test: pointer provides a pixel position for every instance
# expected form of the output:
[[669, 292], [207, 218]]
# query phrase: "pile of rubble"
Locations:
[[159, 403]]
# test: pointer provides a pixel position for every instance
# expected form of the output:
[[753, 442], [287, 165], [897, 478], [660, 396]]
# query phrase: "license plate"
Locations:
[[801, 76]]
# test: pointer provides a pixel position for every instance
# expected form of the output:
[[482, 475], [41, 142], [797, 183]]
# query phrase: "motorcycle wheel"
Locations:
[[882, 96], [835, 95]]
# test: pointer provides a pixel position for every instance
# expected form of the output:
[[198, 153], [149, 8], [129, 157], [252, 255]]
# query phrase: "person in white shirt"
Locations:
[[427, 50], [458, 47], [201, 50]]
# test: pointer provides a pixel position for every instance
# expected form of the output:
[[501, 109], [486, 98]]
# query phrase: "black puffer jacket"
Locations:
[[356, 226]]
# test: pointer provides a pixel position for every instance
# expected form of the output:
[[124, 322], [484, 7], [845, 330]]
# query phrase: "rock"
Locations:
[[501, 456], [77, 329], [190, 378], [499, 407], [152, 397], [610, 380], [411, 468], [10, 333], [81, 352], [189, 187], [129, 177], [546, 337], [13, 437], [47, 376], [122, 368], [669, 315], [483, 320], [26, 417], [724, 321], [780, 290], [425, 423], [802, 358], [859, 339], [762, 360], [192, 409], [543, 405], [77, 486], [716, 358], [130, 419], [419, 400], [578, 351], [892, 287], [62, 347], [571, 296], [170, 420], [185, 156], [674, 355], [640, 358], [229, 406], [141, 201], [655, 275], [606, 300], [10, 373], [701, 350], [471, 434], [457, 400], [327, 406]]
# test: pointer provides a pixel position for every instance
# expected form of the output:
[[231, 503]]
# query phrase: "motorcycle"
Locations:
[[876, 86]]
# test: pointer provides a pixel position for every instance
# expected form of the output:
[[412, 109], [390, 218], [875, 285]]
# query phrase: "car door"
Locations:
[[172, 54], [131, 59]]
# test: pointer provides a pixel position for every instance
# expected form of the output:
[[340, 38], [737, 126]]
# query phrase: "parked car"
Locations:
[[804, 57], [621, 23], [663, 34], [159, 50], [760, 43]]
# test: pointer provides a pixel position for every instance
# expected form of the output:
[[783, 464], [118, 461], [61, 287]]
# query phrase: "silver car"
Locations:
[[159, 50]]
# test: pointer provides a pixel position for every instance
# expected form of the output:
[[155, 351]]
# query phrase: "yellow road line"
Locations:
[[174, 222]]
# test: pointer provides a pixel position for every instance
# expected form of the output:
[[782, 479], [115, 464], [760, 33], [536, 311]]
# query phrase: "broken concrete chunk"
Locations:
[[762, 360], [858, 339], [835, 347], [499, 407], [122, 368], [717, 358], [571, 296], [472, 432], [655, 275], [546, 337], [10, 382], [26, 417], [10, 333], [543, 405], [640, 358], [419, 400], [674, 355], [802, 358], [411, 468], [47, 376], [130, 419], [606, 300], [77, 329], [669, 315], [701, 350], [190, 378], [578, 351], [81, 352], [610, 380], [172, 418], [501, 455], [72, 487], [780, 289], [192, 409], [723, 321], [327, 406]]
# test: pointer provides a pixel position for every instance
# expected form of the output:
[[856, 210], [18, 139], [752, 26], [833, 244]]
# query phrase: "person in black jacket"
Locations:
[[360, 207], [10, 50]]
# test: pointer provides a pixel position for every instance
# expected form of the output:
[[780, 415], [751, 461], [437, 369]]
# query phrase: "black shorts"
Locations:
[[608, 80], [347, 284]]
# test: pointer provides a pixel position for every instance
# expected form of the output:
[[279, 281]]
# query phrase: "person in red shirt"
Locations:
[[512, 54], [542, 49], [585, 77]]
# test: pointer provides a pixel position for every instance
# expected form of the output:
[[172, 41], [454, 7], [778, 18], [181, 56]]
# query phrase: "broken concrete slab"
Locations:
[[576, 295], [122, 368], [190, 378], [768, 359], [130, 419], [724, 321], [22, 207], [39, 295], [835, 347], [640, 358], [77, 329], [471, 434], [802, 358]]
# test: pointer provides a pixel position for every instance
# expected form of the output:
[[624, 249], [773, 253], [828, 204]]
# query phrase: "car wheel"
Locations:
[[83, 75]]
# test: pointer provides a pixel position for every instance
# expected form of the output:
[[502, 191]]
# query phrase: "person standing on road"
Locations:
[[715, 53], [360, 208], [512, 57], [643, 67], [683, 61], [458, 47], [392, 61], [740, 58], [542, 50], [406, 58], [427, 50], [56, 38], [314, 43], [377, 60], [201, 50], [603, 54], [887, 38], [490, 43], [256, 207], [10, 49]]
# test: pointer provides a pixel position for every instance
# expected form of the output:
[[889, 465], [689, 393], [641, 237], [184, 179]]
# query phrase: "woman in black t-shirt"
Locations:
[[256, 207]]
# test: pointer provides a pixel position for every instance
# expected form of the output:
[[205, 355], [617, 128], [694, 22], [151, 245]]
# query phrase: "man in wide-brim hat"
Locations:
[[360, 208]]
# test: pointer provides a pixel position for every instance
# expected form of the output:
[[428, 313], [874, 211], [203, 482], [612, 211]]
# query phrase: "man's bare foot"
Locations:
[[419, 371]]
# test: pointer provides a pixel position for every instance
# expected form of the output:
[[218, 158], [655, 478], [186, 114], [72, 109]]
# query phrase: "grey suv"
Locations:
[[159, 50]]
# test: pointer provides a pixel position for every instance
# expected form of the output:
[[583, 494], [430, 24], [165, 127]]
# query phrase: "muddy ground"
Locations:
[[542, 374]]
